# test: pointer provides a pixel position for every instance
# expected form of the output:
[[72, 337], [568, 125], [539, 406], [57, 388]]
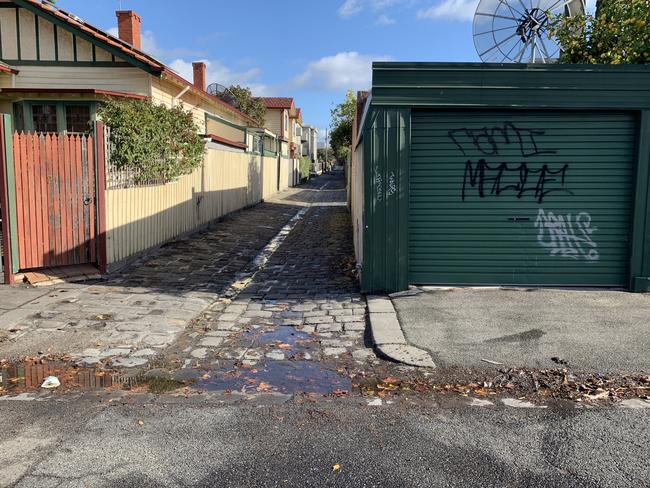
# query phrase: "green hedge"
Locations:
[[305, 167], [155, 142]]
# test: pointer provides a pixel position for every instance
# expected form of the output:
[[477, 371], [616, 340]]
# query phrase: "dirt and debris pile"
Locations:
[[535, 385]]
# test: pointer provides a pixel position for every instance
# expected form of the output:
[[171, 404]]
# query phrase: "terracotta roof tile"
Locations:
[[278, 102]]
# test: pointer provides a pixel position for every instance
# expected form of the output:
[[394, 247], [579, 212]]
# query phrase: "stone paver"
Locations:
[[303, 306], [145, 308]]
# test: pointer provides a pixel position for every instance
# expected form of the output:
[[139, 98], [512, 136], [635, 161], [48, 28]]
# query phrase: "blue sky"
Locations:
[[310, 50]]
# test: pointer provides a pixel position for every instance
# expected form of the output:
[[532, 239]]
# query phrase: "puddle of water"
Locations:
[[288, 377], [28, 375], [281, 335]]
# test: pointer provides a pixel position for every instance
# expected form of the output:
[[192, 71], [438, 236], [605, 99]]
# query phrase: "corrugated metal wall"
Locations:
[[144, 217], [521, 197]]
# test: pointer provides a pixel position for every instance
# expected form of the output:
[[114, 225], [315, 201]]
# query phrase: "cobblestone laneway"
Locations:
[[133, 315], [296, 323]]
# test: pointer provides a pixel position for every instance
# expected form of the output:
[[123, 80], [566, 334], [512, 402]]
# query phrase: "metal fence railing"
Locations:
[[123, 177]]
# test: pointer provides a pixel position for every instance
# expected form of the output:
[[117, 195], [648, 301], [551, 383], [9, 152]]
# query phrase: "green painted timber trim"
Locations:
[[85, 64], [226, 122], [18, 33], [387, 145], [91, 39], [11, 191], [592, 87], [38, 37], [270, 154], [640, 260], [56, 42]]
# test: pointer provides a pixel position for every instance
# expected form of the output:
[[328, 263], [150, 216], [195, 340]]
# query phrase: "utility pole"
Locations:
[[327, 147]]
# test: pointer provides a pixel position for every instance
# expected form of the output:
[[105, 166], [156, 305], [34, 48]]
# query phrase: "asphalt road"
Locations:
[[88, 444], [596, 330]]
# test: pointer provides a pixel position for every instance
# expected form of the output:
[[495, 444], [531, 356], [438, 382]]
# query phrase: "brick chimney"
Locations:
[[199, 75], [128, 27]]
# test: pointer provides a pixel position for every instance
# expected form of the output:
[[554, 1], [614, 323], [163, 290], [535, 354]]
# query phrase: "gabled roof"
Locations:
[[112, 44], [120, 49], [278, 102]]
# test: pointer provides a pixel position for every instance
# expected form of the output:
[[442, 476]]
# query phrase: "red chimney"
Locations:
[[199, 75], [128, 27]]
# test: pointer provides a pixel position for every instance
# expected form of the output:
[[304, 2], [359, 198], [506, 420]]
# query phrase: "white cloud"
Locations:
[[217, 72], [151, 47], [350, 8], [450, 9], [342, 71], [384, 19]]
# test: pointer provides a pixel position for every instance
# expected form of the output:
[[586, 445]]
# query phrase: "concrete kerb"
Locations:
[[388, 337]]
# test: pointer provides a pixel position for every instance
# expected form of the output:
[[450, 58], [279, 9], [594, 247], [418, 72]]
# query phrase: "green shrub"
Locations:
[[154, 142], [305, 167]]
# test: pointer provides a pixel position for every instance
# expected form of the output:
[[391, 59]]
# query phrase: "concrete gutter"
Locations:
[[388, 335]]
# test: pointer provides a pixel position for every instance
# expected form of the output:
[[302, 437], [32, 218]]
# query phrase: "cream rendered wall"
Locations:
[[144, 217], [273, 121]]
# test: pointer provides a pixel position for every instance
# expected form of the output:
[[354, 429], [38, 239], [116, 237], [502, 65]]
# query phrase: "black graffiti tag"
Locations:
[[488, 141], [481, 175], [497, 178]]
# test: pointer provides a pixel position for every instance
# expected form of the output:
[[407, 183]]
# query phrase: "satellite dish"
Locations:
[[223, 93], [516, 31]]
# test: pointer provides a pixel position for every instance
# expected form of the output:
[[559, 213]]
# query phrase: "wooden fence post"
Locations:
[[7, 199], [100, 175]]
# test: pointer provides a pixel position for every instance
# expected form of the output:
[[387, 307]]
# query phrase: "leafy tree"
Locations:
[[250, 105], [325, 155], [342, 120], [617, 34]]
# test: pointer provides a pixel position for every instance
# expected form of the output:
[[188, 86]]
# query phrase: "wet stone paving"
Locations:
[[297, 324], [266, 301]]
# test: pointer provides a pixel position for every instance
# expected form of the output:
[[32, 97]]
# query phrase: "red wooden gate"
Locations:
[[55, 199]]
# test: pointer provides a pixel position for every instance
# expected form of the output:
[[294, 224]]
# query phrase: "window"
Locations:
[[77, 118], [37, 116], [286, 122], [44, 118]]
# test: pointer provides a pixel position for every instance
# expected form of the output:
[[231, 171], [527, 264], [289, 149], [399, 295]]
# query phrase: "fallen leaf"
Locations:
[[140, 423], [336, 467]]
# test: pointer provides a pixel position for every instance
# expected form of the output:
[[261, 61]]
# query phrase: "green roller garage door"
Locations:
[[521, 198]]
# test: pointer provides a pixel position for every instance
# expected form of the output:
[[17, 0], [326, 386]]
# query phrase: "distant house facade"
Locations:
[[310, 142], [283, 118]]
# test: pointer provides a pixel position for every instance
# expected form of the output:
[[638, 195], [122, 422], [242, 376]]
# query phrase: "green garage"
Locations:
[[524, 175]]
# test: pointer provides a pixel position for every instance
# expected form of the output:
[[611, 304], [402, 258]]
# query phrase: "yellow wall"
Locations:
[[164, 91], [223, 130], [132, 80], [273, 121], [144, 217]]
